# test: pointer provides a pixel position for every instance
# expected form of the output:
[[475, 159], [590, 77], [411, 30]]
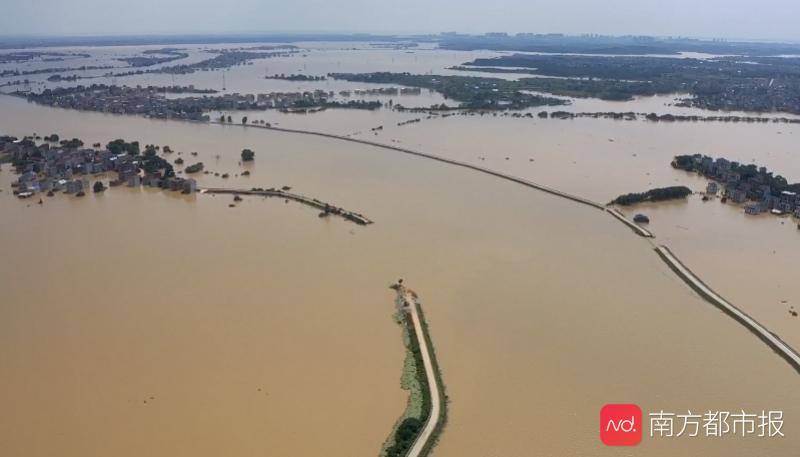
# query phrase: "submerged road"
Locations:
[[435, 391]]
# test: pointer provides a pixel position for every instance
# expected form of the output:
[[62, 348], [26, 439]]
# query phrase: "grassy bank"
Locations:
[[414, 380]]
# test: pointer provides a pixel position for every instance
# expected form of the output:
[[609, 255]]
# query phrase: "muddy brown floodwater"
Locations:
[[142, 323]]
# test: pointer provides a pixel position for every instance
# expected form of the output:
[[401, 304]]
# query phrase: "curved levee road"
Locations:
[[524, 182], [420, 444], [777, 344], [786, 351]]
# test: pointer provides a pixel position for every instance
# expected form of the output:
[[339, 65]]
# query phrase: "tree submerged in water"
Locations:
[[653, 195], [248, 155]]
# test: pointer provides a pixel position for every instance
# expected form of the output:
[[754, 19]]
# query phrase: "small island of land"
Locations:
[[151, 101], [296, 77], [760, 84], [472, 92], [653, 195]]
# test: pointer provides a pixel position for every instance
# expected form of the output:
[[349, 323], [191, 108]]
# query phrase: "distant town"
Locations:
[[152, 102]]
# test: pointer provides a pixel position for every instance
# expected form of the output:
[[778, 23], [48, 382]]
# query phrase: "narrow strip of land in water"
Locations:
[[421, 444], [786, 351], [515, 179], [313, 202], [639, 230], [706, 292]]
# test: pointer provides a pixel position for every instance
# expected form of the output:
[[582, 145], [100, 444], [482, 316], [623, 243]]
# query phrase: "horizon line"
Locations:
[[340, 33]]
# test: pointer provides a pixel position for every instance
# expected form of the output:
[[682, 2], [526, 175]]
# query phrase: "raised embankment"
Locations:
[[507, 177], [783, 349], [768, 337], [412, 437], [426, 438], [635, 227], [313, 202]]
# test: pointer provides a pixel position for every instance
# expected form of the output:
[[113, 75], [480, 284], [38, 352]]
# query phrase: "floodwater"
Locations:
[[748, 260], [143, 323]]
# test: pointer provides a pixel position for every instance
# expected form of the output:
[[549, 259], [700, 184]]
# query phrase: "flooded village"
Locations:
[[757, 188], [68, 167], [243, 321], [153, 102]]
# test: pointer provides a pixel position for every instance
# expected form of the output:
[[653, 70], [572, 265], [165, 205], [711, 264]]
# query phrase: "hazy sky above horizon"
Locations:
[[767, 19]]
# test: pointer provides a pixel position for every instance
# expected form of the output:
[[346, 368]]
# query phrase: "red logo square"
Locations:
[[621, 425]]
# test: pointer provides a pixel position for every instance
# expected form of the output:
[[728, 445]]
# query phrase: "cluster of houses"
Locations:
[[383, 91], [151, 101], [753, 188], [49, 169]]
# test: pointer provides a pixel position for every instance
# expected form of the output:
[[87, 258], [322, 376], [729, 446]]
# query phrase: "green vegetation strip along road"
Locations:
[[411, 437]]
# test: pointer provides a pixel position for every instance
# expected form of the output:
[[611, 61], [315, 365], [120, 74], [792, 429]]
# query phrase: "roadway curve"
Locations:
[[507, 177], [425, 436], [787, 352]]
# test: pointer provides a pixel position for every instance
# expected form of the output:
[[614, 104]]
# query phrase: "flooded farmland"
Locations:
[[138, 322]]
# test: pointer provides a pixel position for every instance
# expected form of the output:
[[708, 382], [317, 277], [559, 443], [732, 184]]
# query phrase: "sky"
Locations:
[[731, 19]]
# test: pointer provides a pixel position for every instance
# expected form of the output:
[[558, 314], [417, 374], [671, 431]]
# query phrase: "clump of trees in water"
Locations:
[[119, 146], [248, 155], [196, 168], [653, 195]]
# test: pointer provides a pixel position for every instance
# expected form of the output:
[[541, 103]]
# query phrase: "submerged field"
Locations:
[[542, 310], [139, 322]]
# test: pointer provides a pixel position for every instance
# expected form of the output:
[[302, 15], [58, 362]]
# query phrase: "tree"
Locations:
[[222, 118], [248, 155], [119, 146], [244, 120], [653, 195], [72, 144], [229, 119], [98, 187]]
